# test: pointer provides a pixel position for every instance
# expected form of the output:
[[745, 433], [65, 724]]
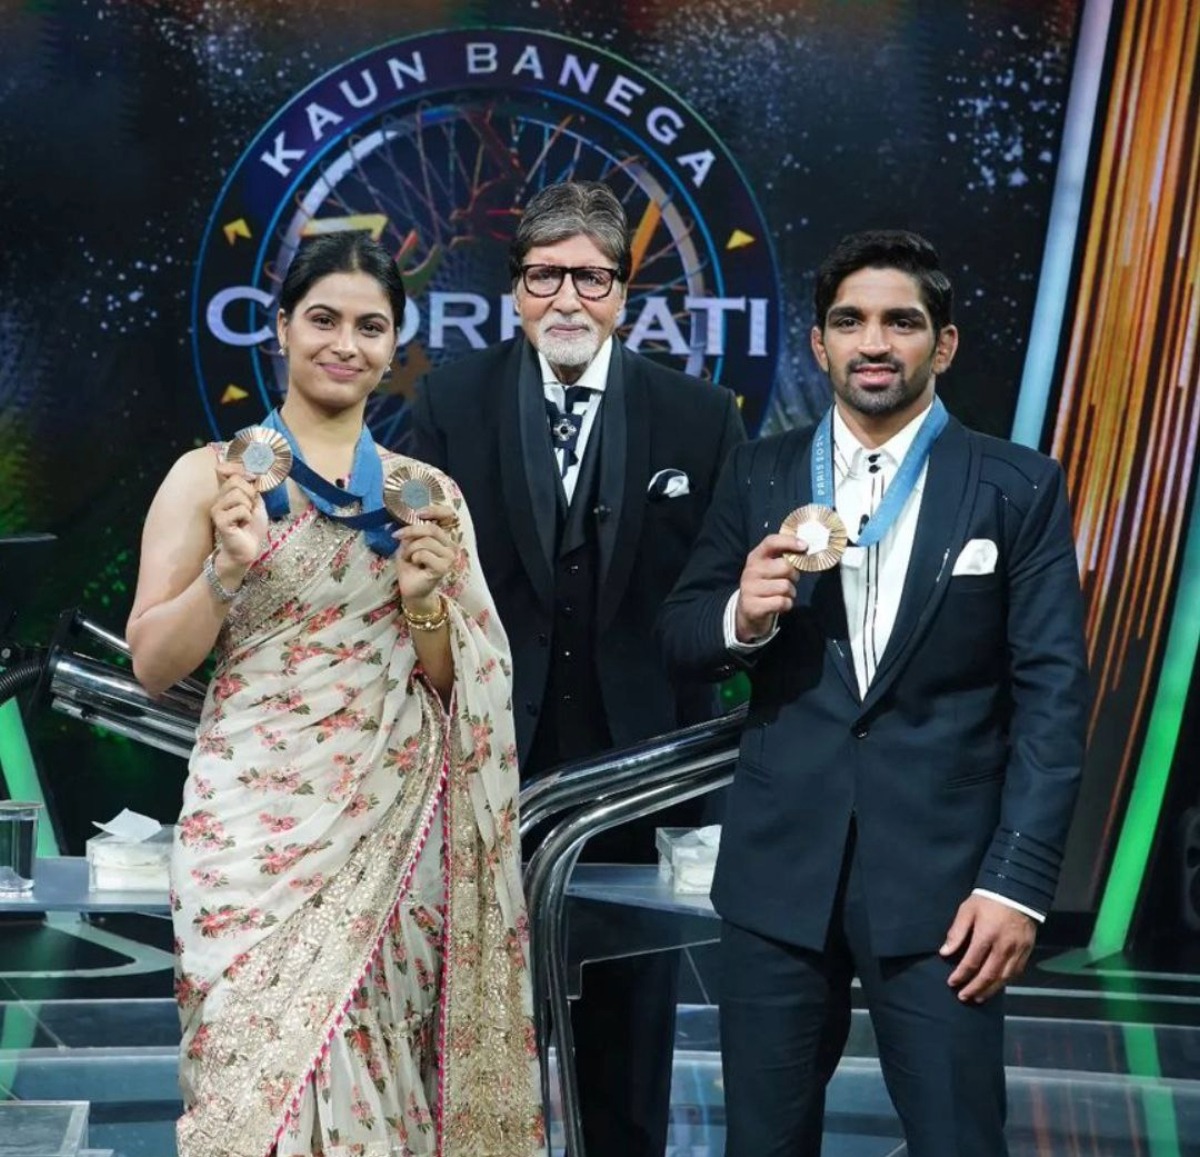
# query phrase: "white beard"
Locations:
[[576, 351]]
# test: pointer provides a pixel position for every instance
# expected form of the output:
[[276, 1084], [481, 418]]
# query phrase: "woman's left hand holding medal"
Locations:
[[428, 548]]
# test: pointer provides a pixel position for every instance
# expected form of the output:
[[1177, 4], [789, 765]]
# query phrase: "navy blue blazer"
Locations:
[[960, 766], [471, 419]]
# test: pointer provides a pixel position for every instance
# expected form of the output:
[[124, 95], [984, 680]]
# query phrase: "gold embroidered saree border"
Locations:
[[488, 1097]]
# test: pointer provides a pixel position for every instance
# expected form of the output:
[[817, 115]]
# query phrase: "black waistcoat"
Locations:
[[571, 723]]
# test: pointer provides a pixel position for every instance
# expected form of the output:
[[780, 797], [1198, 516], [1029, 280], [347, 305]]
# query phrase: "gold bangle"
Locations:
[[417, 617], [434, 621]]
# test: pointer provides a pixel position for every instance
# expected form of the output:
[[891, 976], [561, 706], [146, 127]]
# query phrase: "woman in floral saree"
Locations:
[[350, 930]]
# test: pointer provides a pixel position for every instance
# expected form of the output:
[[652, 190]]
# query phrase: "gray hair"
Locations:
[[559, 212]]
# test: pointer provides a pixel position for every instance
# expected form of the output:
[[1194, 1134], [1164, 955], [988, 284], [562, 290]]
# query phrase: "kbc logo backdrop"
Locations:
[[434, 144]]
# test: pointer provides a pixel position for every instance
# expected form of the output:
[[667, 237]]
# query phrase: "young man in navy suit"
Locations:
[[911, 757], [587, 469]]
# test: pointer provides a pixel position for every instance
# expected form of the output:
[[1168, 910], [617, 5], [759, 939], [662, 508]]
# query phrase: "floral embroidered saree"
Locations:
[[350, 929]]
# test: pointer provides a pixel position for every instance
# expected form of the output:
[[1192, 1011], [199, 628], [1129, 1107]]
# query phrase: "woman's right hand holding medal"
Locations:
[[239, 518], [768, 586]]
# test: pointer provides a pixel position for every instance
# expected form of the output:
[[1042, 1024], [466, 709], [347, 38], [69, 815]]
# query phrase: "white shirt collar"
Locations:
[[594, 377], [852, 451]]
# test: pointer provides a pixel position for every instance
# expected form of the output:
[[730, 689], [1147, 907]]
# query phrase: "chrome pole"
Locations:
[[588, 780], [97, 692], [547, 880], [117, 643], [97, 718]]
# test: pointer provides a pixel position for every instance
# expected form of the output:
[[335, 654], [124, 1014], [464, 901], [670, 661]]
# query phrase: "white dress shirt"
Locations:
[[872, 577], [594, 379]]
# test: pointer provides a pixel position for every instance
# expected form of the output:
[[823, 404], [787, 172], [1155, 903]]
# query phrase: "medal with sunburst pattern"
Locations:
[[410, 488], [822, 530], [263, 453]]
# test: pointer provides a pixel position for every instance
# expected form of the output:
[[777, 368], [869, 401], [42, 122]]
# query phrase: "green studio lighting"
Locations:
[[1138, 830], [20, 773]]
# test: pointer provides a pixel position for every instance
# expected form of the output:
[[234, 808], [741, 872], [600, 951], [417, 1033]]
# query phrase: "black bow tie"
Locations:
[[565, 424]]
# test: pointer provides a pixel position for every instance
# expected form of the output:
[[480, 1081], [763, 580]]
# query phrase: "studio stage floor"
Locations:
[[1104, 1056]]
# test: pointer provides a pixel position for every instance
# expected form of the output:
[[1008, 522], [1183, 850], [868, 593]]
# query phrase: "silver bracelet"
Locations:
[[214, 580]]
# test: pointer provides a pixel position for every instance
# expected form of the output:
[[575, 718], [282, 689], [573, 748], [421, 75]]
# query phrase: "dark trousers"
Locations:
[[624, 1020], [785, 1015], [624, 1028]]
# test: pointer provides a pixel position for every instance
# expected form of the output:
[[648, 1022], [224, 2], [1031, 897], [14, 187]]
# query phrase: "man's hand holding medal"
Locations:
[[812, 538]]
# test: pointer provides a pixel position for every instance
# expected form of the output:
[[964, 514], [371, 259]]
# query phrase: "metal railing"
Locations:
[[100, 693], [600, 794]]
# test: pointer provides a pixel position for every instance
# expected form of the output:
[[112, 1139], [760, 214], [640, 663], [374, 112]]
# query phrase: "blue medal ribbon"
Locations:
[[902, 485], [365, 487]]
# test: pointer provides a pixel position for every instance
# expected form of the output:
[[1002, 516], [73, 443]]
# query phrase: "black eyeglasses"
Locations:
[[592, 282]]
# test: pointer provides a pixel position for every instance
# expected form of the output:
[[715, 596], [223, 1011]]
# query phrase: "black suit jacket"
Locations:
[[468, 420], [961, 765]]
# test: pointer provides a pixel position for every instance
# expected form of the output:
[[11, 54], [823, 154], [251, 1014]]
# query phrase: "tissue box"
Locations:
[[686, 859], [117, 865]]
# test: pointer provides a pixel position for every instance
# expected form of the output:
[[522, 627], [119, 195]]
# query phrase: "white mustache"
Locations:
[[576, 320]]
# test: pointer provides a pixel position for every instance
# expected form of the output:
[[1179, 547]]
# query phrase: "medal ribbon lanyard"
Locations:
[[366, 487], [902, 485]]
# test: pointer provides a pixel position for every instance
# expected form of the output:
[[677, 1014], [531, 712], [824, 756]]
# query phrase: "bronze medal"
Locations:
[[823, 530], [410, 488], [264, 454]]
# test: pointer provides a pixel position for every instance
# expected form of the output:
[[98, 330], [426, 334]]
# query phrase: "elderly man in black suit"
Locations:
[[911, 757], [587, 469]]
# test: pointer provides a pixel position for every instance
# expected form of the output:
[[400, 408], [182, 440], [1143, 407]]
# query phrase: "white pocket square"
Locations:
[[977, 557], [669, 483]]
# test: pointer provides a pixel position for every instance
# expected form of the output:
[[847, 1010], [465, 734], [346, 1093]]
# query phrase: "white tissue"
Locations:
[[132, 853], [130, 827], [694, 878], [687, 858]]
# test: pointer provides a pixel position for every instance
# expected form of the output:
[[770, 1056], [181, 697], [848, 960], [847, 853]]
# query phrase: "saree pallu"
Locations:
[[351, 938]]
